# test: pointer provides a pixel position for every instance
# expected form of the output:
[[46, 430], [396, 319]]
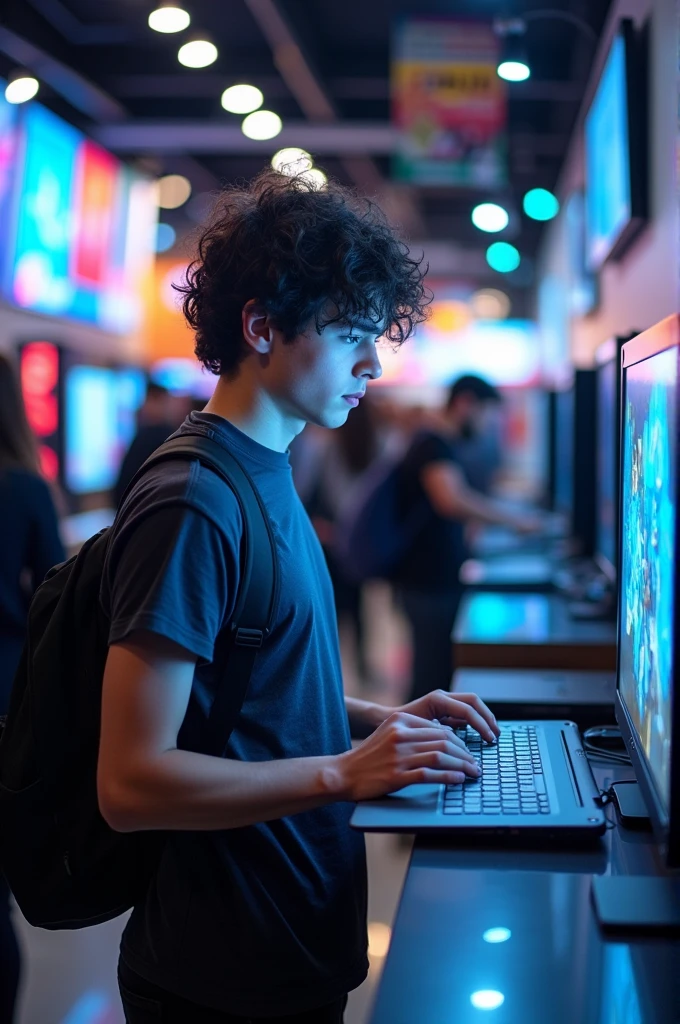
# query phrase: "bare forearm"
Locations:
[[364, 717], [187, 791], [469, 505]]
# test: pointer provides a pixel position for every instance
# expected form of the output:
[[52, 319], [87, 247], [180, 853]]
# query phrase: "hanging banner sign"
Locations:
[[448, 103]]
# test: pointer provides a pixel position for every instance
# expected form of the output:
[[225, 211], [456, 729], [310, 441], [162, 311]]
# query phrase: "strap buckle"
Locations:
[[249, 637]]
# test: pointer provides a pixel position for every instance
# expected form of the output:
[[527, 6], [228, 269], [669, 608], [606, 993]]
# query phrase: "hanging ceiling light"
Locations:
[[263, 124], [169, 18], [513, 63], [292, 161], [242, 99], [21, 87], [490, 217], [197, 53]]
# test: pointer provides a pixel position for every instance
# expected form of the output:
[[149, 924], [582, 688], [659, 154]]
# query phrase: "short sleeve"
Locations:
[[175, 574]]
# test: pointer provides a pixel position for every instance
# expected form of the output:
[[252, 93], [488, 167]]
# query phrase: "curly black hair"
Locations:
[[305, 255]]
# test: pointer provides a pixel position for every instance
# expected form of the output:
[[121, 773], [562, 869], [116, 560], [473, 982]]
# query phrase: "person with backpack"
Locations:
[[431, 485], [225, 775], [29, 546]]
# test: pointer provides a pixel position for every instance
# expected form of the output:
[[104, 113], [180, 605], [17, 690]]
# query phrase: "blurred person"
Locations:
[[158, 416], [350, 452], [29, 546], [258, 905], [427, 579]]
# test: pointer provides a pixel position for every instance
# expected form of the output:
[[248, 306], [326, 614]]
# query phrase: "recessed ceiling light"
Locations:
[[197, 53], [490, 217], [263, 124], [21, 88], [503, 257], [291, 161], [173, 191], [514, 71], [539, 204], [315, 177], [242, 99], [169, 18]]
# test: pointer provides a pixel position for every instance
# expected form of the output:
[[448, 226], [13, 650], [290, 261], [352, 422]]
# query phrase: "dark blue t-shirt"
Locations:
[[270, 919]]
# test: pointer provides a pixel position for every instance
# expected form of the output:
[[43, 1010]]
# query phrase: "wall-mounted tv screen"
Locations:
[[100, 408], [616, 150], [81, 231]]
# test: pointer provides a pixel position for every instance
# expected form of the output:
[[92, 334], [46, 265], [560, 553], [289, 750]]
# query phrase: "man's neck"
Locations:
[[252, 411]]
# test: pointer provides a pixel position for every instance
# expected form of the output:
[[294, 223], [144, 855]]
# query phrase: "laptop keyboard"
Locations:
[[512, 779]]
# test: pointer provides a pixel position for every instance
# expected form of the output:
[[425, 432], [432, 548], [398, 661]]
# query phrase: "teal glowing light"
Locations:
[[494, 935], [539, 204], [487, 999], [503, 257]]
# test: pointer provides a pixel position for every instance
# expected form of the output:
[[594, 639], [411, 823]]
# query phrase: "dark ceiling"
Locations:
[[128, 75]]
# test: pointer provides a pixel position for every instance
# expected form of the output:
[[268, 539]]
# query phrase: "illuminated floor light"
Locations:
[[495, 935], [539, 204], [490, 217], [503, 257], [487, 999]]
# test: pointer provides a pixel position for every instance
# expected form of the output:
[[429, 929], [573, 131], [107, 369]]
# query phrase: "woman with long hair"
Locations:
[[29, 546]]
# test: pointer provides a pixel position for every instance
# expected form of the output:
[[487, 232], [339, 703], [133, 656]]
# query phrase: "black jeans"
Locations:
[[431, 615], [9, 958], [145, 1003]]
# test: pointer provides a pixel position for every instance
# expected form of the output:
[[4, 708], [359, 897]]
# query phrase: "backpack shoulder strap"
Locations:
[[258, 589]]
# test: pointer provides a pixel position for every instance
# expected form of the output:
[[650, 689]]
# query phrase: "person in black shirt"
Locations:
[[29, 546], [428, 577], [258, 906], [155, 423]]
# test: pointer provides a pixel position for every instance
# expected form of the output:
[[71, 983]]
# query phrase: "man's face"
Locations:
[[320, 376]]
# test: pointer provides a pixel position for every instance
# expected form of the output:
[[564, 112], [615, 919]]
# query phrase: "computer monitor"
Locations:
[[646, 709], [563, 459]]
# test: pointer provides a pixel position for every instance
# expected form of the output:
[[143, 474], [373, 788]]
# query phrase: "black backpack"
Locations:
[[65, 866]]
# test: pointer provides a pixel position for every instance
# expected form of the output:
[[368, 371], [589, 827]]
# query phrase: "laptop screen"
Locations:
[[648, 549]]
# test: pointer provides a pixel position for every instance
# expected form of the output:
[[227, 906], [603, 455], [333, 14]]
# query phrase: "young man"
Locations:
[[257, 909], [428, 578]]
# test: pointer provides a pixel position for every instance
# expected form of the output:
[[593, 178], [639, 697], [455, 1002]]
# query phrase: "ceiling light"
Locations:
[[539, 204], [490, 304], [487, 999], [21, 87], [490, 217], [242, 99], [315, 177], [503, 257], [263, 124], [173, 191], [291, 161], [197, 53], [165, 237], [514, 71], [494, 935], [169, 18]]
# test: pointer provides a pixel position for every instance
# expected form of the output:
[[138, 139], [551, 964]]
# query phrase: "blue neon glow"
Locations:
[[89, 1009], [495, 935]]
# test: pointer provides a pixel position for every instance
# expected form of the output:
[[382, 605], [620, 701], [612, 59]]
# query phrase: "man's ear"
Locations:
[[257, 328]]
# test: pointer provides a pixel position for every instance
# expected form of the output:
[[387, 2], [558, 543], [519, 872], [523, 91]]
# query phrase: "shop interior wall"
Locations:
[[642, 288]]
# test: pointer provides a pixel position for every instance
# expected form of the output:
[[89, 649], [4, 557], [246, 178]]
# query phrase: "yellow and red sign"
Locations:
[[448, 103]]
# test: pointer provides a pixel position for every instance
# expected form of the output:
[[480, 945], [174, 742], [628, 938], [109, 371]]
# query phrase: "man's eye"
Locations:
[[353, 339]]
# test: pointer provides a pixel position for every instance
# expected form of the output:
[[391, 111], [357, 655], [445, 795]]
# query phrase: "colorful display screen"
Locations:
[[8, 163], [607, 470], [608, 185], [84, 227], [649, 483], [100, 411]]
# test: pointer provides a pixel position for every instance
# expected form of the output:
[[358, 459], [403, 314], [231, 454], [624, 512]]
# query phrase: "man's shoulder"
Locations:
[[430, 446]]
